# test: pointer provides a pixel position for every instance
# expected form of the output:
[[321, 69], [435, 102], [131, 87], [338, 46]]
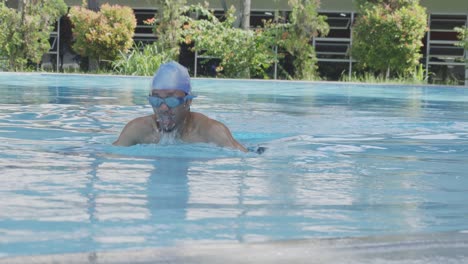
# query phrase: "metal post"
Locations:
[[58, 44], [466, 57], [350, 46], [195, 64], [245, 23], [428, 46], [276, 63]]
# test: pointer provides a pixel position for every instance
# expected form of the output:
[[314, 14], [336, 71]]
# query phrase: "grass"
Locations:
[[418, 77]]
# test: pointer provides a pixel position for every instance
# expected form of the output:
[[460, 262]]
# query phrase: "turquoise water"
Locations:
[[342, 160]]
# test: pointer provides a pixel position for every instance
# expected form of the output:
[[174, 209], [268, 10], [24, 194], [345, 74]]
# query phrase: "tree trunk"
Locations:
[[245, 24], [93, 65], [20, 6]]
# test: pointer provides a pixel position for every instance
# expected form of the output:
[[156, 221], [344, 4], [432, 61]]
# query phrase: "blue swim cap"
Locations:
[[171, 76]]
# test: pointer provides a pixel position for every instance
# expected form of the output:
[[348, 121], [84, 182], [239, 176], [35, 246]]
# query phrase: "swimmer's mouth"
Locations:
[[166, 122]]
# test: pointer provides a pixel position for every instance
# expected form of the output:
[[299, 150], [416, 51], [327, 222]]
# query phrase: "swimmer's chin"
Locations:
[[168, 129]]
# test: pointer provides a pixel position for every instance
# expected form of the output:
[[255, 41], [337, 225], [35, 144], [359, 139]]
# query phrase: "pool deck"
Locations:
[[447, 248]]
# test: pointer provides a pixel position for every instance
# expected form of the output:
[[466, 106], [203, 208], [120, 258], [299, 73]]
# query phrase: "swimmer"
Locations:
[[171, 97]]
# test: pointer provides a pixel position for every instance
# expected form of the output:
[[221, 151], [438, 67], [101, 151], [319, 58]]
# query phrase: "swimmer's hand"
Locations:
[[258, 150]]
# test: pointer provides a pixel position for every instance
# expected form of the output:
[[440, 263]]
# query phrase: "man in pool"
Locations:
[[171, 97]]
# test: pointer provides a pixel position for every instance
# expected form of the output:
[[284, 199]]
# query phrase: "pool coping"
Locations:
[[241, 80]]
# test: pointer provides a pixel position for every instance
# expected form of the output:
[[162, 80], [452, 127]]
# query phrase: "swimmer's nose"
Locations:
[[163, 107]]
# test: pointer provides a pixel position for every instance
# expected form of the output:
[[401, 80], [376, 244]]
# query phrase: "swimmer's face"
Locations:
[[169, 118]]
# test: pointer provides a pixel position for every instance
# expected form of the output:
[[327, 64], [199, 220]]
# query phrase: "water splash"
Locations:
[[169, 138]]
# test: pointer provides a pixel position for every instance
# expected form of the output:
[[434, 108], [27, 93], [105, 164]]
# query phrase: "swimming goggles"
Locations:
[[171, 102]]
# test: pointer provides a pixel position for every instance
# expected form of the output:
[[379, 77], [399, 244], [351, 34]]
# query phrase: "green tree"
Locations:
[[387, 36], [105, 34], [242, 53], [304, 24], [167, 25], [294, 37], [24, 33]]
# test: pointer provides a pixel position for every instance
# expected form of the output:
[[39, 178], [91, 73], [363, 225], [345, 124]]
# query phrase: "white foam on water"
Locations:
[[342, 148], [169, 138], [436, 136]]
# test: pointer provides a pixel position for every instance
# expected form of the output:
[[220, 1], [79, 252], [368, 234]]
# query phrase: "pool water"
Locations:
[[341, 161]]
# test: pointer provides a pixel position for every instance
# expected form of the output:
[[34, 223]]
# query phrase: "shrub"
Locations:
[[167, 26], [387, 36], [24, 33], [105, 34], [463, 37], [142, 60]]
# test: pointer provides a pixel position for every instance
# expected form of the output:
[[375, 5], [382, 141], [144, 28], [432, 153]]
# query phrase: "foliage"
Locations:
[[141, 60], [103, 35], [463, 37], [390, 4], [167, 25], [24, 33], [387, 36], [304, 24], [242, 53]]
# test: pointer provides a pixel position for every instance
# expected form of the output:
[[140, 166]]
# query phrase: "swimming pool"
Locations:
[[358, 162]]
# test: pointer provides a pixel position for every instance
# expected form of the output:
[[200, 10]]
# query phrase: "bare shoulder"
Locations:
[[199, 117], [135, 131], [141, 122], [205, 123], [213, 131]]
